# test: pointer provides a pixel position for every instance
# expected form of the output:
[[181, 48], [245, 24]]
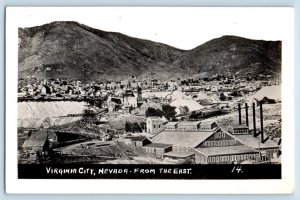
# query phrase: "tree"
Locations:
[[154, 112], [127, 126], [169, 111], [143, 125], [186, 109], [136, 127]]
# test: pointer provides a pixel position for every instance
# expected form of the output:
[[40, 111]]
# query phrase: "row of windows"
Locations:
[[231, 158], [205, 128], [182, 149], [220, 135], [156, 126], [240, 131], [187, 127], [219, 143]]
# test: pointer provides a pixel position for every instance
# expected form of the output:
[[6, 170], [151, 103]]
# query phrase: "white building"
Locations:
[[154, 125], [129, 99]]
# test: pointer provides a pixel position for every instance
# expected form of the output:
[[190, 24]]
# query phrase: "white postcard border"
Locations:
[[91, 186]]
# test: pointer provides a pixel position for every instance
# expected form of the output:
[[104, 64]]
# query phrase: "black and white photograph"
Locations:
[[149, 93]]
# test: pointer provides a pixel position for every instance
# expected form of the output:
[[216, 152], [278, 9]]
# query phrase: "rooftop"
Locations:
[[158, 145], [178, 154], [172, 123], [239, 126], [254, 142], [226, 150], [207, 122], [183, 139], [138, 138], [191, 123]]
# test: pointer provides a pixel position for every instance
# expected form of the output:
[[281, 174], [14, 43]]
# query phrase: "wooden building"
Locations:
[[171, 125], [208, 145], [154, 125], [140, 141], [208, 125], [129, 99], [238, 129], [225, 154], [188, 126], [157, 149]]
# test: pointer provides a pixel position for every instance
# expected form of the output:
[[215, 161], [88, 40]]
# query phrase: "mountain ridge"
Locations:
[[72, 50]]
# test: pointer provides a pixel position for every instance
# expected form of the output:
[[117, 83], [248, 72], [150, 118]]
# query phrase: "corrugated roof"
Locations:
[[139, 138], [239, 126], [254, 142], [158, 145], [178, 154], [183, 139], [189, 123], [226, 150], [172, 123]]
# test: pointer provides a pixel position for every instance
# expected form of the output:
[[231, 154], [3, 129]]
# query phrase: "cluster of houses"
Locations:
[[204, 142], [58, 88]]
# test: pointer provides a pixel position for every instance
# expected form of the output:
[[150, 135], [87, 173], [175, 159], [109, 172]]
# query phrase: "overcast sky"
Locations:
[[184, 28]]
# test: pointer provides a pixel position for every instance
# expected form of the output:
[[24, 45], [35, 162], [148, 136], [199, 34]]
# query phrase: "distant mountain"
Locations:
[[233, 54], [75, 51]]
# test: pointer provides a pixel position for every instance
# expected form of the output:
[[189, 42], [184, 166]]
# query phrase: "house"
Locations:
[[238, 129], [208, 125], [154, 124], [129, 99], [188, 125], [171, 125], [267, 100], [140, 141], [157, 149]]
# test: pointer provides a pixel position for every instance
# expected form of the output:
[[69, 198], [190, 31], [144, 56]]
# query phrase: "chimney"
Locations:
[[261, 122], [247, 120], [240, 116], [254, 120]]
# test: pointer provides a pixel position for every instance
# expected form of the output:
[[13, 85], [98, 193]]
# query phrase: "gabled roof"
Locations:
[[172, 123], [183, 139], [178, 154], [191, 123], [254, 142], [128, 93], [158, 145], [226, 150], [139, 138]]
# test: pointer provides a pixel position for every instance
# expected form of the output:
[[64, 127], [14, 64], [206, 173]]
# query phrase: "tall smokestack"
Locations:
[[261, 122], [240, 115], [247, 120], [254, 120]]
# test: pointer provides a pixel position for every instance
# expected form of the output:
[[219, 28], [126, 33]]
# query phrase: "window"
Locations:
[[213, 159]]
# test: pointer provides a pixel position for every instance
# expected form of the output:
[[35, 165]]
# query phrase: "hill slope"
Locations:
[[235, 55], [74, 51]]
